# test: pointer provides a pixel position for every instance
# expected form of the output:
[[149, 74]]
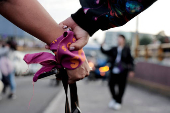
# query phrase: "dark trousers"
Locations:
[[120, 81]]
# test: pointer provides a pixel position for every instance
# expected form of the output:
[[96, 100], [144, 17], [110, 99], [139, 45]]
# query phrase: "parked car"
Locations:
[[97, 61], [21, 68]]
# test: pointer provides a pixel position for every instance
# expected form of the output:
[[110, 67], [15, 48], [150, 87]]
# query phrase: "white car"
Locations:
[[21, 68]]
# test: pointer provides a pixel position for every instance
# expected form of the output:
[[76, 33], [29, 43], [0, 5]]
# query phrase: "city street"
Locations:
[[95, 96], [120, 41], [43, 95]]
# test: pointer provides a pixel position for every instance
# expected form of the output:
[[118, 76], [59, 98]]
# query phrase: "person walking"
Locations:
[[121, 65], [1, 86], [7, 68]]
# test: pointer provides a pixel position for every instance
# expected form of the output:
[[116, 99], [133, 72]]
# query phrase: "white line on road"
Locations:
[[56, 101]]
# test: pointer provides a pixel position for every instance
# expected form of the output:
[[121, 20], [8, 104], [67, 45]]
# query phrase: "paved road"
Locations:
[[43, 95], [94, 98]]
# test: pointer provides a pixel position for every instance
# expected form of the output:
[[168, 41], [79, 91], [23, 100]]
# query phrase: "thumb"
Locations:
[[79, 44], [71, 81], [68, 22], [47, 47]]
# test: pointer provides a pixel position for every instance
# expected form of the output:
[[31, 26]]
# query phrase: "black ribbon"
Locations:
[[73, 93], [62, 74]]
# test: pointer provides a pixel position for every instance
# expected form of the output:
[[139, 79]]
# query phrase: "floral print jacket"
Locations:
[[105, 14]]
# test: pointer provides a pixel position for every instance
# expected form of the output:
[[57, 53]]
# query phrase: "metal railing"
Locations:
[[153, 51], [21, 48]]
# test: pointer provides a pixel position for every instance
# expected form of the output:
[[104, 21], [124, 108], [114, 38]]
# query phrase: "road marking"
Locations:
[[55, 102]]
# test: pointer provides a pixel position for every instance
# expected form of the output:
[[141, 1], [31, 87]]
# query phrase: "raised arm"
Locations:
[[106, 52], [130, 60]]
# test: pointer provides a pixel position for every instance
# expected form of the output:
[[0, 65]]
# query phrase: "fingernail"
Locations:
[[72, 48], [47, 47], [64, 27], [69, 29]]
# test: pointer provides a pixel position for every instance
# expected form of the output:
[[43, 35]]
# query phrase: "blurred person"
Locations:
[[1, 85], [7, 68], [166, 40], [121, 66], [155, 45], [156, 42]]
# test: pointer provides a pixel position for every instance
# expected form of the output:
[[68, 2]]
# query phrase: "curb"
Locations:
[[151, 86]]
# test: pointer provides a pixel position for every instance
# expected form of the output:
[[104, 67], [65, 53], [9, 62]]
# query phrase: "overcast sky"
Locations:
[[154, 19]]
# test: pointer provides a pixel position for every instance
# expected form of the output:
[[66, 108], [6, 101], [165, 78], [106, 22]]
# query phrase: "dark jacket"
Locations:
[[105, 14], [126, 58]]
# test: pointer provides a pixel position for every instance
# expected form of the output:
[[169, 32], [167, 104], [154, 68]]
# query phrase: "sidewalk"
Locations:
[[95, 96]]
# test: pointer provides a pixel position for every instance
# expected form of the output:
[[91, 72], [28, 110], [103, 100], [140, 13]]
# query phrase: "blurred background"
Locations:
[[147, 35]]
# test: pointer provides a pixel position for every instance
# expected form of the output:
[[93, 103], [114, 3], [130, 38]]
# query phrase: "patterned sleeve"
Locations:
[[106, 14]]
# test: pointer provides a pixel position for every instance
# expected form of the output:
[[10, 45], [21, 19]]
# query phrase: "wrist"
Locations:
[[54, 35], [74, 24], [85, 22], [69, 22]]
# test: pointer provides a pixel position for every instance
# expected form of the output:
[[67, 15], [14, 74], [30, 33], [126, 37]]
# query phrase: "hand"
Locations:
[[102, 44], [78, 73], [81, 35], [131, 74]]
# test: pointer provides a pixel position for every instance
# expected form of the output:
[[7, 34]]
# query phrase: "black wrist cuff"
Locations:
[[85, 22]]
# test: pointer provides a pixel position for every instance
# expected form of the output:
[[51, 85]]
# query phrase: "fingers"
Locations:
[[78, 73], [81, 35], [47, 47], [88, 73], [66, 28], [77, 77], [79, 44], [71, 81], [69, 22]]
